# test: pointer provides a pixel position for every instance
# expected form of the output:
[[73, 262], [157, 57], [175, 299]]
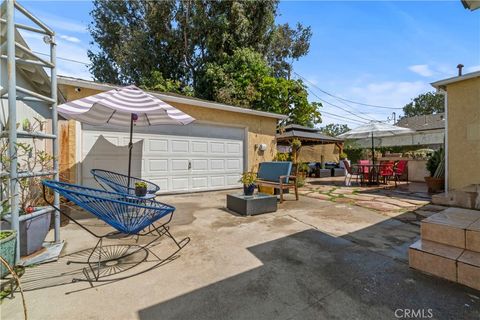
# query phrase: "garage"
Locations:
[[196, 157]]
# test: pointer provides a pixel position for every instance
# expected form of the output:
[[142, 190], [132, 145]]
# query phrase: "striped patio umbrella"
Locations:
[[124, 107]]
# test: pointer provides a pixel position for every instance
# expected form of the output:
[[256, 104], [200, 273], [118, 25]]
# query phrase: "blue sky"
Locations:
[[380, 53]]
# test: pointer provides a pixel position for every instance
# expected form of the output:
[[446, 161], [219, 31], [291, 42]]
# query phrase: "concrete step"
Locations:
[[450, 227], [434, 258], [467, 197], [468, 269], [472, 238], [447, 262]]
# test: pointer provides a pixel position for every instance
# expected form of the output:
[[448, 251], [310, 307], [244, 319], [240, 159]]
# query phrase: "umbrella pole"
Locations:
[[373, 150], [130, 146]]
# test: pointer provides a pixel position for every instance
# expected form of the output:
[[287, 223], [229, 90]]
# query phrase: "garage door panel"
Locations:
[[217, 181], [161, 182], [215, 162], [200, 182], [234, 148], [232, 180], [179, 164], [217, 147], [199, 147], [234, 164], [180, 184], [157, 166], [180, 146], [157, 145], [199, 164]]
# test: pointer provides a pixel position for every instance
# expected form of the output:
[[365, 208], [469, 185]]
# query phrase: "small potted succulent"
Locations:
[[248, 179], [140, 189]]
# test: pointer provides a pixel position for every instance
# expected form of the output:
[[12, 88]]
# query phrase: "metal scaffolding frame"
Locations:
[[12, 6]]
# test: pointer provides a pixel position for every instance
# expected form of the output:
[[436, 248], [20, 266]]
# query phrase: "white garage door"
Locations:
[[177, 158]]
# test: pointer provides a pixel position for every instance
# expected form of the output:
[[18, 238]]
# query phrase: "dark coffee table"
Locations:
[[251, 205]]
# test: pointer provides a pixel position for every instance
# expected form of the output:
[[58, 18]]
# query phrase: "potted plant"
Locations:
[[140, 189], [436, 166], [7, 249], [303, 170], [34, 225], [248, 179]]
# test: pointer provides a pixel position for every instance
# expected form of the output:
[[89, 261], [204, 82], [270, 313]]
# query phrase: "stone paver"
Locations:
[[379, 206], [359, 197], [320, 196], [344, 200], [344, 191], [397, 202]]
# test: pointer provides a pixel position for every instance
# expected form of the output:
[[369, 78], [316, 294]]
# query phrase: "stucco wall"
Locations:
[[463, 133], [261, 130]]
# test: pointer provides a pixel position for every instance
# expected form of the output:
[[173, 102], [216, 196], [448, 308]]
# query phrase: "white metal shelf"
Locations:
[[27, 134]]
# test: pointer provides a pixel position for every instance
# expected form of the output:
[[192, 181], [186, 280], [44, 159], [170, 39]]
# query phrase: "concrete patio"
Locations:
[[313, 259]]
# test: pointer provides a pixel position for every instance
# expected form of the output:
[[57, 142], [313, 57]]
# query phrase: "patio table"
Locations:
[[372, 171], [250, 205]]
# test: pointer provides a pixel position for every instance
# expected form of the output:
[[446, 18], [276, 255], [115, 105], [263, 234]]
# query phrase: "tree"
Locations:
[[245, 79], [286, 46], [334, 129], [425, 103], [179, 37], [227, 51]]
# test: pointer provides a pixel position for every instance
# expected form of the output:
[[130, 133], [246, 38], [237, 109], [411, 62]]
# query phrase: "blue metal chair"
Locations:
[[127, 214], [117, 182]]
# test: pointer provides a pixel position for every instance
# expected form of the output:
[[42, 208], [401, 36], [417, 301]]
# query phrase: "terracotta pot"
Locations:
[[435, 184]]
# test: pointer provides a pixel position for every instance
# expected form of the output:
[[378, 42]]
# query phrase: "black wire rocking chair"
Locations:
[[129, 215]]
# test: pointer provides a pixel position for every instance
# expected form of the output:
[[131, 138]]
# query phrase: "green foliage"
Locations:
[[334, 129], [248, 178], [156, 82], [287, 45], [343, 155], [244, 79], [178, 37], [5, 234], [282, 156], [300, 181], [424, 104], [140, 184], [434, 161], [303, 167], [296, 143], [29, 159], [226, 51]]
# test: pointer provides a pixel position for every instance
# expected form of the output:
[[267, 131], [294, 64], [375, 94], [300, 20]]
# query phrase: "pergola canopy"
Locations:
[[308, 136]]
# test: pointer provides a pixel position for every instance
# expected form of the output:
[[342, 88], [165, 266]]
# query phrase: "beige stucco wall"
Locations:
[[463, 133], [330, 153], [261, 130]]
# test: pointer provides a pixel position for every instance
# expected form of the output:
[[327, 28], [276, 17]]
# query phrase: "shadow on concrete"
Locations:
[[312, 275]]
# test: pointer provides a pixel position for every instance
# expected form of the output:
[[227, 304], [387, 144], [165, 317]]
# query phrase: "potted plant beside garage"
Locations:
[[436, 166], [248, 179], [140, 189]]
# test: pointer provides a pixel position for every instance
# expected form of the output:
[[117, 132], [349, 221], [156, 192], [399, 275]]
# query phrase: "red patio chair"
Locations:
[[399, 170], [365, 170], [386, 170]]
